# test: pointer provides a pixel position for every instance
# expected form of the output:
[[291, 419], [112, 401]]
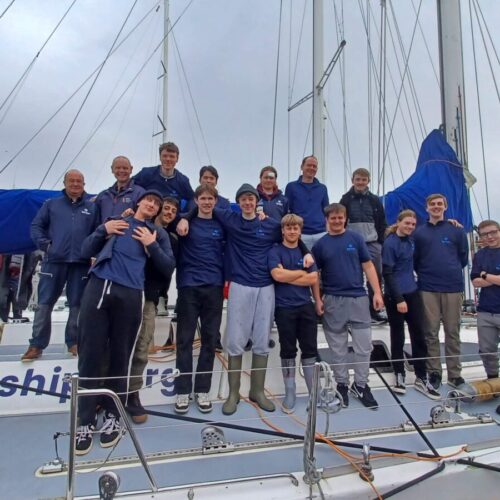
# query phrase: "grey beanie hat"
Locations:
[[247, 188]]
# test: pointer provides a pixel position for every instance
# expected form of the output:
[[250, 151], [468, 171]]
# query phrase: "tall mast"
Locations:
[[165, 67], [318, 122], [451, 70]]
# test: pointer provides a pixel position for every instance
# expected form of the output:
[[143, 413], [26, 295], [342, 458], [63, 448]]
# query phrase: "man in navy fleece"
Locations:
[[200, 280], [441, 252], [210, 176], [59, 229], [122, 195], [486, 275], [307, 197], [165, 177]]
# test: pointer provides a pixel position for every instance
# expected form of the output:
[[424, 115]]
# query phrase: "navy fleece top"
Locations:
[[308, 200], [487, 260], [441, 252]]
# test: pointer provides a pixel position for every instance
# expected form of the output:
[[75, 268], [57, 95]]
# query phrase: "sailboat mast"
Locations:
[[165, 64], [318, 122], [451, 69]]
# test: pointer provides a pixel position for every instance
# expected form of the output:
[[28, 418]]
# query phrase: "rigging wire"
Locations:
[[488, 31], [120, 97], [369, 89], [276, 83], [184, 101], [20, 82], [413, 91], [402, 81], [191, 96], [299, 44], [426, 45], [59, 109], [479, 109], [382, 112], [487, 54], [288, 116], [366, 24], [7, 8], [86, 97]]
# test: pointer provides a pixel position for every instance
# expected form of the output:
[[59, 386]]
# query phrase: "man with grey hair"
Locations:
[[122, 196], [59, 228]]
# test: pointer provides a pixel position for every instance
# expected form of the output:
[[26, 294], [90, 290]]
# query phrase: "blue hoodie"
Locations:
[[112, 202], [308, 200], [177, 186], [61, 225], [441, 252]]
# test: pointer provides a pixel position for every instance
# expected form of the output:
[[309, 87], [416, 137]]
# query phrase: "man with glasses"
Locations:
[[485, 275], [272, 201], [441, 252]]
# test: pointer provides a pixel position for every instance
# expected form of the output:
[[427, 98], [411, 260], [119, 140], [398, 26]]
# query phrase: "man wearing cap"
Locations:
[[307, 197], [165, 178], [59, 229], [272, 201], [122, 195], [111, 309], [210, 176], [250, 307]]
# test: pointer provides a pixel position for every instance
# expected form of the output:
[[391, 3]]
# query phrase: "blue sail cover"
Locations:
[[438, 171], [18, 207]]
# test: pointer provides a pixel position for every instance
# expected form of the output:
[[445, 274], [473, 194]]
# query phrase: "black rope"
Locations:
[[471, 462], [289, 435], [11, 385], [407, 413], [413, 482]]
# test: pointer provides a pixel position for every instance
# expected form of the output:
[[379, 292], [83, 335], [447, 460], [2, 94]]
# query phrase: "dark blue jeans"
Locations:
[[53, 277], [204, 302]]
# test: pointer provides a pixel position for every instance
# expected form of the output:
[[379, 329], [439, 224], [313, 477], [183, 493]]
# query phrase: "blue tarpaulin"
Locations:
[[438, 171], [18, 207]]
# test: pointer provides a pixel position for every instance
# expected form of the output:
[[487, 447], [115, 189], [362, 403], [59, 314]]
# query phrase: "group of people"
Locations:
[[277, 252]]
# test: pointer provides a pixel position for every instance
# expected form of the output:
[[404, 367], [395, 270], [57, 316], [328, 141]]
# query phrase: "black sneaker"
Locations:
[[435, 380], [182, 404], [456, 382], [84, 435], [202, 402], [111, 430], [364, 394], [343, 390], [426, 388]]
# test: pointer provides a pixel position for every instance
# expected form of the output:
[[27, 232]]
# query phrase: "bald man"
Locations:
[[122, 195], [58, 229]]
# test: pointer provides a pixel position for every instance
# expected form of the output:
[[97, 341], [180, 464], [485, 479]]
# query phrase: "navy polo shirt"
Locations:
[[487, 260], [200, 260], [287, 294], [339, 257]]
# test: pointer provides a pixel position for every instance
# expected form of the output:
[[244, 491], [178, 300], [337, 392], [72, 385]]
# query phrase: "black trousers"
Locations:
[[414, 318], [297, 324], [109, 321], [205, 303]]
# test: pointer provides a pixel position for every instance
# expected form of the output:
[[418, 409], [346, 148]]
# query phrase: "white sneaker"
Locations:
[[182, 403], [202, 402]]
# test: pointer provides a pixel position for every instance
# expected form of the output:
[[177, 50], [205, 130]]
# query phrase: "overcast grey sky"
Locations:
[[228, 50]]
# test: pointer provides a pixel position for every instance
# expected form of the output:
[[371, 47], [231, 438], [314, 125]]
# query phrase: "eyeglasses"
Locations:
[[489, 234]]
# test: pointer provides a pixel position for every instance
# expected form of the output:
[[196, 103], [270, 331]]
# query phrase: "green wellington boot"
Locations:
[[288, 369], [234, 376], [259, 365]]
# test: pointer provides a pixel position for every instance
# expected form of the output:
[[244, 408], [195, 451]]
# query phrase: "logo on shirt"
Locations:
[[300, 263], [216, 233], [279, 203], [85, 211], [446, 241], [127, 199], [497, 267], [260, 232], [351, 248]]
